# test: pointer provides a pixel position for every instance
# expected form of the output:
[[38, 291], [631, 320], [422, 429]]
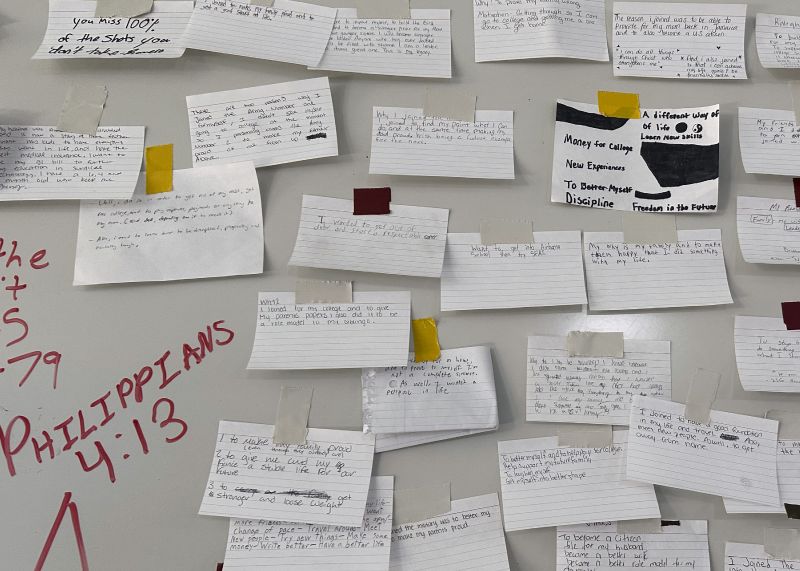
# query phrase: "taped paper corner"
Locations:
[[641, 228], [382, 9], [83, 109], [503, 231], [595, 344], [323, 291], [417, 504], [595, 437], [449, 104], [702, 394], [122, 8], [782, 543], [291, 423], [639, 526], [426, 340], [158, 169], [788, 424], [619, 105]]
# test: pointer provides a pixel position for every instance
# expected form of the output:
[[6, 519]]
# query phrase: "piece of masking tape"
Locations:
[[595, 437], [639, 228], [417, 504], [263, 3], [788, 424], [83, 109], [504, 231], [122, 8], [323, 291], [158, 169], [702, 394], [639, 526], [595, 344], [618, 104], [449, 104], [426, 340], [782, 543], [382, 9], [291, 423]]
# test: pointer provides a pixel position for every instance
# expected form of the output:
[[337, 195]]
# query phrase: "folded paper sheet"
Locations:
[[507, 30], [776, 40], [681, 40], [397, 440], [743, 556], [545, 485], [769, 230], [268, 544], [788, 483], [406, 142], [469, 538], [269, 124], [373, 331], [454, 393], [604, 547], [547, 272], [734, 454], [667, 161], [768, 141], [209, 226], [291, 32], [594, 390], [415, 47], [410, 240], [41, 163], [767, 355], [324, 481], [639, 276], [74, 32]]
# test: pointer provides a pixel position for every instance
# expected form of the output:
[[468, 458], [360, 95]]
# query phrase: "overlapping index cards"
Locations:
[[769, 141], [325, 481], [410, 240], [373, 331], [777, 40], [788, 483], [545, 485], [769, 230], [269, 124], [767, 354]]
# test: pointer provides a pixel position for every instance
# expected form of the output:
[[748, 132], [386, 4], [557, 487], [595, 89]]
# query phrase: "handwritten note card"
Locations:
[[454, 392], [41, 163], [643, 276], [324, 481], [667, 161], [548, 272], [405, 142], [778, 40], [734, 454], [269, 125], [545, 485], [209, 225], [398, 440], [681, 545], [415, 47], [373, 331], [409, 241], [746, 556], [469, 538], [769, 230], [266, 544], [291, 32], [509, 29], [767, 355], [595, 390], [689, 41], [74, 32], [769, 141], [788, 482]]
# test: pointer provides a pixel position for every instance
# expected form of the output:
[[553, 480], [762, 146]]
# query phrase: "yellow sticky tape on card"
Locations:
[[620, 105], [426, 340], [158, 169]]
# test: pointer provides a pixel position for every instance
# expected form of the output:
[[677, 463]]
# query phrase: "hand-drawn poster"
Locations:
[[667, 161]]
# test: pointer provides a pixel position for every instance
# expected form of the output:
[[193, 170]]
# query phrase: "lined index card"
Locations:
[[744, 556], [291, 32], [777, 40], [769, 230], [409, 241], [595, 390], [545, 485], [642, 276], [324, 481], [769, 140], [547, 272], [734, 454], [788, 483], [397, 440], [767, 354]]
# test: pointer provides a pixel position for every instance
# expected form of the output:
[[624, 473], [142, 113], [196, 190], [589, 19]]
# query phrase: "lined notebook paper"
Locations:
[[681, 545], [266, 544], [744, 556], [409, 241], [74, 32], [595, 390], [415, 47], [642, 276], [41, 163], [688, 40], [546, 485], [767, 354], [373, 331], [209, 225], [777, 40], [398, 440], [269, 125], [469, 538], [548, 272], [788, 482], [506, 29], [405, 142], [455, 392], [769, 140], [324, 481], [769, 230], [734, 454], [291, 32]]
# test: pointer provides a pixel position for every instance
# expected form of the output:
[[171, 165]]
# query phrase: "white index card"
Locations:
[[768, 229], [744, 556], [397, 440], [788, 483], [769, 141], [777, 40], [767, 354]]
